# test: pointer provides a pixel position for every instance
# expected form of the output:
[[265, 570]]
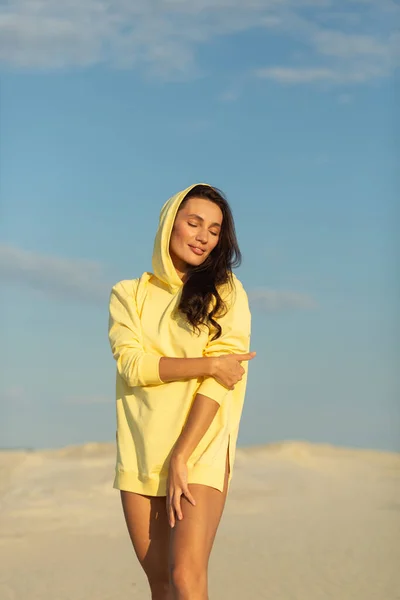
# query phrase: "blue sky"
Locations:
[[108, 108]]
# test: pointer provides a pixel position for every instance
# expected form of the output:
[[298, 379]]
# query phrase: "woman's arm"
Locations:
[[235, 338], [226, 369], [176, 369], [200, 417], [135, 365], [140, 368]]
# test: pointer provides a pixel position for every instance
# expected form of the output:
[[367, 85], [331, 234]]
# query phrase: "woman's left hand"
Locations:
[[177, 485]]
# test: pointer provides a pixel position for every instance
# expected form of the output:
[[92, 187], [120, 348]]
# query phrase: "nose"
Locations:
[[202, 236]]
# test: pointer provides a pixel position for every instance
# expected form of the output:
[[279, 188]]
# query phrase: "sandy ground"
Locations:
[[302, 522]]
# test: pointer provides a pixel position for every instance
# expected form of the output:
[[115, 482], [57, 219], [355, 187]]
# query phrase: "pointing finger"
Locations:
[[247, 356]]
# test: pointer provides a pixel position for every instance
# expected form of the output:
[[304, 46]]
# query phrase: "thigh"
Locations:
[[191, 539], [148, 527]]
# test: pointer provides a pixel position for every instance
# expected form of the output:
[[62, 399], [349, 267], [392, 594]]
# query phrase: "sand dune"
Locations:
[[302, 522]]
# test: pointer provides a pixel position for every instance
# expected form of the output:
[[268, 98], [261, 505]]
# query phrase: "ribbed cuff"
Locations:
[[149, 368], [213, 389]]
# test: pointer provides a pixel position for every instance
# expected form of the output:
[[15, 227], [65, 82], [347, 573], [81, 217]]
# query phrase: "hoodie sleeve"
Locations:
[[234, 339], [136, 367]]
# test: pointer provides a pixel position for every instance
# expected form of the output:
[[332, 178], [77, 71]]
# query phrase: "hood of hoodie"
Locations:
[[163, 267]]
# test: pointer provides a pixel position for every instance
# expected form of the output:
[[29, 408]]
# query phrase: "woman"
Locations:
[[179, 336]]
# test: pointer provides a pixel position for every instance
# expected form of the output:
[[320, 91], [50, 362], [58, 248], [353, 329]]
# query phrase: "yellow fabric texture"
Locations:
[[144, 325]]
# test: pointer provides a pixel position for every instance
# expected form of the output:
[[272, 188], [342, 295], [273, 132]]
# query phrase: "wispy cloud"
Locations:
[[15, 393], [84, 281], [339, 57], [229, 96], [59, 277], [15, 396], [84, 399], [297, 74], [157, 35], [162, 36], [345, 98], [280, 300]]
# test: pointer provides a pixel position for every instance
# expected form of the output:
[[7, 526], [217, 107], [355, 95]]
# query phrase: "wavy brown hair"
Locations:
[[201, 301]]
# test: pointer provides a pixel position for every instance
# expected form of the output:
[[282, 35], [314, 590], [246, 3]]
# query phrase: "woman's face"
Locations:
[[195, 233]]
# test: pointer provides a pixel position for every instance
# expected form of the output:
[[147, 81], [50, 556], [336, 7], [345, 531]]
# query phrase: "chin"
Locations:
[[195, 263], [194, 260]]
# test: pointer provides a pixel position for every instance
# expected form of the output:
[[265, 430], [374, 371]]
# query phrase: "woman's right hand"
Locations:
[[226, 369]]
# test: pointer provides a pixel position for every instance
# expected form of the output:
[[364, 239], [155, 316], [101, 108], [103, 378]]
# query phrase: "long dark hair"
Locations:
[[200, 301]]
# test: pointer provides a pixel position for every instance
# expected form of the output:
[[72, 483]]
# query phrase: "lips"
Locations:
[[196, 250]]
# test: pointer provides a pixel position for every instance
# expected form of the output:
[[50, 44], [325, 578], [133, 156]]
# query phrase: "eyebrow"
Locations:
[[201, 219]]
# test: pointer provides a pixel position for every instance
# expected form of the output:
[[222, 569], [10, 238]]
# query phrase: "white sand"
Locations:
[[302, 522]]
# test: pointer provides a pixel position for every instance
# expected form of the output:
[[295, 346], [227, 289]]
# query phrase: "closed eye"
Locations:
[[212, 232]]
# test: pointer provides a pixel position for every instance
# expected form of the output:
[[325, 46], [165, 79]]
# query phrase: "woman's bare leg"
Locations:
[[148, 527], [191, 541]]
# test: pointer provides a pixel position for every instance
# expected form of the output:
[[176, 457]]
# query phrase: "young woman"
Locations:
[[180, 337]]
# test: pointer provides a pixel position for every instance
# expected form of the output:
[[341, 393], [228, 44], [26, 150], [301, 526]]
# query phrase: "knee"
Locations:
[[188, 579]]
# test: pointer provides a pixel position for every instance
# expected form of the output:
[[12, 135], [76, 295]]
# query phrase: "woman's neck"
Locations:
[[181, 268]]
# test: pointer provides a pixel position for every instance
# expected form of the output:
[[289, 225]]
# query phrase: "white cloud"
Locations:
[[15, 395], [279, 300], [84, 281], [342, 45], [337, 57], [162, 36], [345, 98], [76, 279], [297, 74], [229, 96], [354, 73], [84, 399]]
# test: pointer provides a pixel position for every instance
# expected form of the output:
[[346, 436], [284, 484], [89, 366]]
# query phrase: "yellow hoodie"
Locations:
[[144, 326]]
